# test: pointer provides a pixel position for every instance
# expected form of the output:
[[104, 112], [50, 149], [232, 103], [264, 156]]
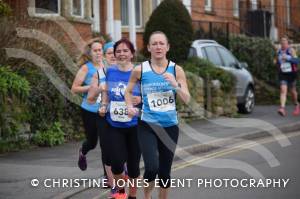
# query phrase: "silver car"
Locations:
[[223, 58]]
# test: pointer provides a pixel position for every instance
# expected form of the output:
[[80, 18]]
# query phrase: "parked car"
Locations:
[[223, 58]]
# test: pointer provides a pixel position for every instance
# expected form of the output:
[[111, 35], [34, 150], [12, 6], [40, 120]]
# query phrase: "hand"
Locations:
[[136, 100], [171, 79], [102, 110], [132, 111]]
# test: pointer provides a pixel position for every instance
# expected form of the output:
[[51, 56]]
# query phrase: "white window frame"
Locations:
[[235, 9], [188, 5], [254, 4], [82, 9], [208, 6], [288, 13], [141, 17], [157, 2], [47, 14], [95, 8]]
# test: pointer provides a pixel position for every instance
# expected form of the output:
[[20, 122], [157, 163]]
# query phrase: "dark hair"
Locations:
[[158, 33], [127, 43]]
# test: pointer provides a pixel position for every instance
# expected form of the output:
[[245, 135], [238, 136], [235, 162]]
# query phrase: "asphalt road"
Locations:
[[285, 165], [259, 170]]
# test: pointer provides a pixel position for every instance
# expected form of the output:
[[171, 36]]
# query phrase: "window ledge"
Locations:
[[58, 17], [138, 29], [209, 12]]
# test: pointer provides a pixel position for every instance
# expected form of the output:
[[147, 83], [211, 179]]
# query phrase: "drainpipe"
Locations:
[[274, 30]]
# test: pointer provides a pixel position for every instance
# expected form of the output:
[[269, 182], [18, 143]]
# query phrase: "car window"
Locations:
[[192, 52], [213, 55], [204, 53], [228, 59]]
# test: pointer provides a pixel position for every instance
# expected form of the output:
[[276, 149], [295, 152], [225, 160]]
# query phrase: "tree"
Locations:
[[172, 18]]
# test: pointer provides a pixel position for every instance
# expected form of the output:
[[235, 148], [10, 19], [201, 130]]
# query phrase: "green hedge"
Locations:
[[5, 10], [14, 93], [207, 70], [259, 53], [45, 104], [172, 18]]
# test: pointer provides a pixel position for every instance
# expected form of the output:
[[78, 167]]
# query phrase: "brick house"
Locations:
[[110, 17], [117, 17], [282, 16]]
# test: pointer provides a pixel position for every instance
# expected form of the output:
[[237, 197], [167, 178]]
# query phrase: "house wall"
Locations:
[[50, 25]]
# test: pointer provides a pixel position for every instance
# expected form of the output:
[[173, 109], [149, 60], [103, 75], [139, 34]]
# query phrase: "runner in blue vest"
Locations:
[[108, 50], [161, 81], [94, 91], [90, 62], [122, 129], [287, 66]]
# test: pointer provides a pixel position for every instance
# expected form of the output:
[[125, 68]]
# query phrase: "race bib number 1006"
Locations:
[[161, 102]]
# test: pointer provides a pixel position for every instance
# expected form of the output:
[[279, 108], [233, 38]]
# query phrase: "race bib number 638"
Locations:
[[119, 112]]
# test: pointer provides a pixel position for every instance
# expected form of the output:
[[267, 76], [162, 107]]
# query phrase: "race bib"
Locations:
[[99, 98], [119, 112], [161, 102], [286, 67]]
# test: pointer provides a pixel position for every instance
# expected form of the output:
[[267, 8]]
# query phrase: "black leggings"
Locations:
[[124, 147], [158, 145], [95, 128]]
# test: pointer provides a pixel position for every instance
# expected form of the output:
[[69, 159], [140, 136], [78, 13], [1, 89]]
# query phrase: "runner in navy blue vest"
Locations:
[[161, 81], [124, 146], [287, 66]]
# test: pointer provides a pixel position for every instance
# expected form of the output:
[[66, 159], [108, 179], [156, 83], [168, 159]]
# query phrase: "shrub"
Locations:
[[259, 53], [207, 70], [52, 136], [46, 104], [13, 145], [5, 10], [172, 18], [14, 91]]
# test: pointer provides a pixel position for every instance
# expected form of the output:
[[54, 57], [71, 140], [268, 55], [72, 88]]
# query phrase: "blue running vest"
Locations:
[[117, 114], [87, 81], [158, 96]]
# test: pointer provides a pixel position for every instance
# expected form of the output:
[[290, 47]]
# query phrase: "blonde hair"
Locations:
[[86, 55]]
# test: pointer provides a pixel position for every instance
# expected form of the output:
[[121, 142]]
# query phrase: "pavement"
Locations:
[[18, 169]]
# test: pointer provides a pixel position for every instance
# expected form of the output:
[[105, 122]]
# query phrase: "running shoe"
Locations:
[[82, 161], [281, 111], [120, 196], [297, 110], [113, 193]]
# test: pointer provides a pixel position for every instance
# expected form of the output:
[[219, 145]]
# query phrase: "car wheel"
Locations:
[[249, 101]]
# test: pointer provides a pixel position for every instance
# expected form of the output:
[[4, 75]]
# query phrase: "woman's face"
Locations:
[[96, 52], [110, 57], [284, 43], [123, 54], [158, 46]]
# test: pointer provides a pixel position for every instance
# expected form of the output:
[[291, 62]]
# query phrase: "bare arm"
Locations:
[[179, 84], [94, 90], [183, 91], [79, 78], [135, 76], [104, 101]]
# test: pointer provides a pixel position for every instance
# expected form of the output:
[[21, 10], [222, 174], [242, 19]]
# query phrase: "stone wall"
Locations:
[[207, 100]]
